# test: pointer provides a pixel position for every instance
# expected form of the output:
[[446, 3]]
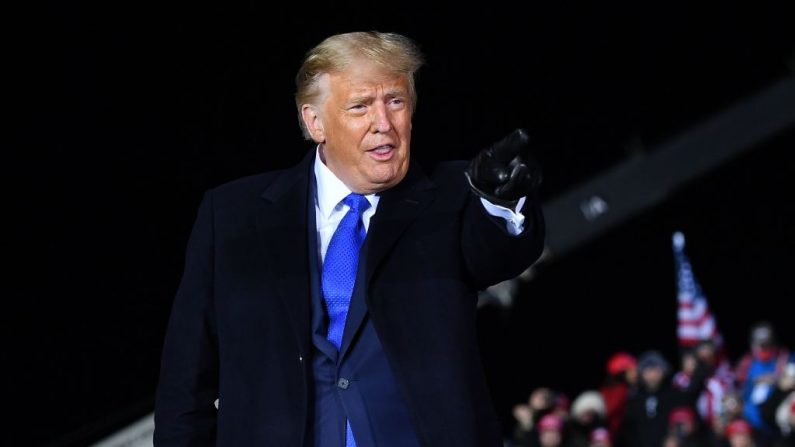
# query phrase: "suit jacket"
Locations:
[[240, 326]]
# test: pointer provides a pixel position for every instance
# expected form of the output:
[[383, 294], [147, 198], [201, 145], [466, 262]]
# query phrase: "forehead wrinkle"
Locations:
[[395, 91], [366, 93]]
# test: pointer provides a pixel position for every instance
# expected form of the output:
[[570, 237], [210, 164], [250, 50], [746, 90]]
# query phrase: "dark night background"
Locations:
[[123, 113]]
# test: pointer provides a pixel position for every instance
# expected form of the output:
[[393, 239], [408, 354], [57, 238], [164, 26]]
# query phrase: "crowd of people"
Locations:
[[643, 402]]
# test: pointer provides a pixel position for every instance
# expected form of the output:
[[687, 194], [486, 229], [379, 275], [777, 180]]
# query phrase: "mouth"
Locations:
[[383, 152]]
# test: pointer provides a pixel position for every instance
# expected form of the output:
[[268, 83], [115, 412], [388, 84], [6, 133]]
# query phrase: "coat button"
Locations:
[[343, 383], [300, 359]]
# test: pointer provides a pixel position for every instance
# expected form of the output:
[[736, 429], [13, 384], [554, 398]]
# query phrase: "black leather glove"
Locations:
[[504, 172]]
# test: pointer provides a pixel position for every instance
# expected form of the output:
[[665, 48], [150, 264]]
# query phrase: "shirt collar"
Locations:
[[330, 189]]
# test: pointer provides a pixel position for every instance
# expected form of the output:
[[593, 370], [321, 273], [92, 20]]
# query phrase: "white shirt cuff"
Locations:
[[514, 220]]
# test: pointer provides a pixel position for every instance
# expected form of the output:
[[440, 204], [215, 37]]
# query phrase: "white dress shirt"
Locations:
[[329, 208]]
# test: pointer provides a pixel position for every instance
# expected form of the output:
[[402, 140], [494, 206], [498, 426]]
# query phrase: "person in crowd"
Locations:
[[542, 401], [650, 403], [561, 405], [731, 410], [687, 364], [683, 425], [739, 433], [705, 360], [757, 373], [551, 432], [621, 376], [588, 412], [778, 411]]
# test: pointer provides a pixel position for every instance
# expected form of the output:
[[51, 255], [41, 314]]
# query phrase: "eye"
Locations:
[[357, 108], [397, 103]]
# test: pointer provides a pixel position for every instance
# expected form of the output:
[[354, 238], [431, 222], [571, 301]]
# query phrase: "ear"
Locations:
[[313, 122]]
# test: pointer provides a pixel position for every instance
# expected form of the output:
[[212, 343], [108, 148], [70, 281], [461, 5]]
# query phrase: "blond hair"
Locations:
[[394, 52]]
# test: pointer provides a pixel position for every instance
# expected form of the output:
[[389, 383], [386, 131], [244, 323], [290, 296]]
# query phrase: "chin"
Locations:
[[393, 180], [387, 175]]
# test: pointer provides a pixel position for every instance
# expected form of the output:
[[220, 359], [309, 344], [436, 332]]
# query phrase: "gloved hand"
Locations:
[[503, 173]]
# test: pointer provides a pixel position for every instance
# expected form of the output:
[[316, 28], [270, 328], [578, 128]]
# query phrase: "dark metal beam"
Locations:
[[639, 183]]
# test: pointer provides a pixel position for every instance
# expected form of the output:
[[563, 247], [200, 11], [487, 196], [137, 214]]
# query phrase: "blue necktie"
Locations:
[[339, 273]]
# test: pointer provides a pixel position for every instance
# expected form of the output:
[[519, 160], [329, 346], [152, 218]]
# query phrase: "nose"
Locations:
[[381, 122]]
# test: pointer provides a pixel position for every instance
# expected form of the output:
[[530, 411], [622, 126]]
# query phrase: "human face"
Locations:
[[652, 376], [550, 438], [363, 123], [741, 440]]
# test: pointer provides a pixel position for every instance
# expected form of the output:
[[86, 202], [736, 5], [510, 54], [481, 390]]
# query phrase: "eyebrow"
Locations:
[[360, 99], [389, 93]]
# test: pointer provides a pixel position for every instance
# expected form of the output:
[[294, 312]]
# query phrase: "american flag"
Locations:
[[695, 320], [696, 323]]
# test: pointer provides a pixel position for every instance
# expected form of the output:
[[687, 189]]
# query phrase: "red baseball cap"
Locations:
[[620, 362], [682, 414], [738, 427], [550, 421]]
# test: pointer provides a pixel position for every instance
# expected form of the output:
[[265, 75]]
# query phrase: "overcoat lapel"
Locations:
[[397, 209], [282, 229]]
